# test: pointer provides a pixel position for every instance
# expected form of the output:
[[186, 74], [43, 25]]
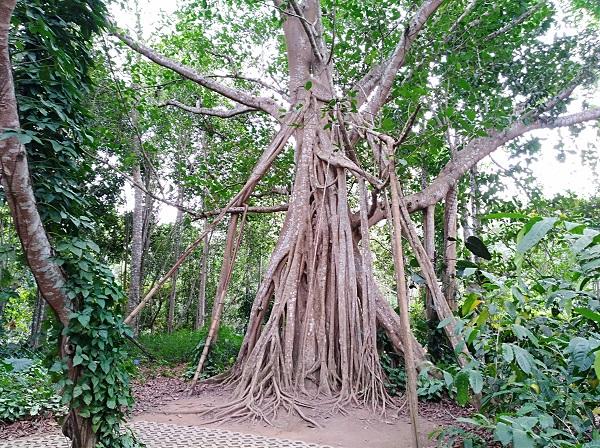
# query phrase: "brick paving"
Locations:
[[161, 435]]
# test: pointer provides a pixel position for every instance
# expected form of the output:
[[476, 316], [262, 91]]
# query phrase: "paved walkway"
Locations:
[[161, 435]]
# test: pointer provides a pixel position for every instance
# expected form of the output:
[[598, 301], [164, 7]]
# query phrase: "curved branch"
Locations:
[[237, 210], [213, 112], [267, 105], [480, 147], [476, 150]]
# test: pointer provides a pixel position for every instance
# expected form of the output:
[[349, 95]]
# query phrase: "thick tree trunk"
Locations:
[[318, 344], [14, 173], [319, 340]]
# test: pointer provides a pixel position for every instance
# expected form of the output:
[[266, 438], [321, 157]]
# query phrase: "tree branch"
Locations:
[[516, 22], [475, 151], [213, 112], [480, 147], [237, 210], [267, 105], [398, 57], [309, 30]]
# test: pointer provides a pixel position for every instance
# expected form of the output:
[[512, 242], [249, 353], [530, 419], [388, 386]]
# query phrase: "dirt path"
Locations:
[[161, 398], [359, 428]]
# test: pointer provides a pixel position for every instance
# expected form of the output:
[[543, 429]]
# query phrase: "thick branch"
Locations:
[[261, 103], [213, 112], [399, 56], [237, 210], [309, 30], [476, 150]]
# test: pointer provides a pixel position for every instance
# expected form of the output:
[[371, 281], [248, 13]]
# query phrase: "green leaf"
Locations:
[[597, 364], [592, 265], [77, 359], [503, 433], [446, 321], [476, 246], [535, 234], [462, 388], [586, 312], [523, 358], [476, 381], [522, 439], [84, 319], [387, 124], [308, 85]]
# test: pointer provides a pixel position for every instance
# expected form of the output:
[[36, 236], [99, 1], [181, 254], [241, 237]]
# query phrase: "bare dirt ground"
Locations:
[[161, 397], [358, 428]]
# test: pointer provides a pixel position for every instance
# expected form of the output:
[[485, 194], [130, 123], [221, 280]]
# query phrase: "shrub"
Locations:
[[185, 346], [222, 354], [171, 348], [26, 390]]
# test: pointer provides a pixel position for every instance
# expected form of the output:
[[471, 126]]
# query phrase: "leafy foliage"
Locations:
[[101, 390], [222, 354], [26, 390], [52, 56], [536, 340]]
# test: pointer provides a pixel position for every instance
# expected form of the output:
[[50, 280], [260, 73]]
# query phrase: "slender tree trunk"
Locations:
[[14, 174], [137, 233], [201, 305], [401, 290], [429, 244], [475, 201], [39, 313], [176, 252], [232, 245], [450, 236]]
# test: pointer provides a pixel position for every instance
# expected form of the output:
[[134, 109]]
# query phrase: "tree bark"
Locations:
[[137, 233], [232, 245], [450, 236], [401, 290], [429, 243], [201, 304], [176, 252], [39, 313]]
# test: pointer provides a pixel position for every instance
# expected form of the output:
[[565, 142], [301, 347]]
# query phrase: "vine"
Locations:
[[96, 332], [51, 99]]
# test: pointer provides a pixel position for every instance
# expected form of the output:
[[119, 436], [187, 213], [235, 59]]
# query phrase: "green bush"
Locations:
[[185, 346], [535, 339], [171, 348], [222, 354], [26, 390]]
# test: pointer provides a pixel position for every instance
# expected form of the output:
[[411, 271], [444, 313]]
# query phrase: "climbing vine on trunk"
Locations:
[[48, 135]]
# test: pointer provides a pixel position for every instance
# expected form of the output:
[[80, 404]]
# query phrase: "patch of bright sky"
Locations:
[[553, 175]]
